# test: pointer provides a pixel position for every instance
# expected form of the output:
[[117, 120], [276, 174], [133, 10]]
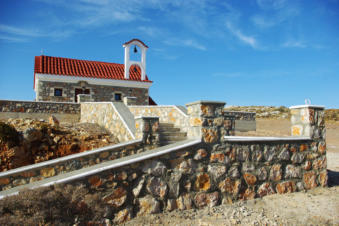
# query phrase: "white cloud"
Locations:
[[12, 39], [274, 12], [19, 34], [249, 40], [271, 4], [263, 22], [150, 31], [294, 44], [228, 75], [185, 42], [20, 31]]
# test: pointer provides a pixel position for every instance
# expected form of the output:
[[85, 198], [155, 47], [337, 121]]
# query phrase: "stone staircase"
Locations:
[[170, 134]]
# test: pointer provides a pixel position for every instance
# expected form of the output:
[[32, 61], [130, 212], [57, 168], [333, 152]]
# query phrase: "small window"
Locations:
[[58, 92], [117, 96]]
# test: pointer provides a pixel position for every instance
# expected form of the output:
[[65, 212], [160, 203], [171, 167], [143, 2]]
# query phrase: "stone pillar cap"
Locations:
[[206, 102], [307, 106]]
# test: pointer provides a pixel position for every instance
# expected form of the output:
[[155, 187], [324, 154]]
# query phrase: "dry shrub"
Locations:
[[54, 205]]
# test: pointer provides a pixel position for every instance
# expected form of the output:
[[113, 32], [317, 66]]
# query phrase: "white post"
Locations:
[[126, 74]]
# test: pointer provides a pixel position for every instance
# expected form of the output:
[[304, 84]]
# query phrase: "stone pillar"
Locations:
[[308, 121], [147, 129], [206, 121], [130, 100], [84, 98]]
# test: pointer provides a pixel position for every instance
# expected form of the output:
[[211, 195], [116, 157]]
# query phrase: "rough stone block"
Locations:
[[206, 199], [230, 186], [292, 171], [276, 172], [309, 179], [286, 187], [250, 179], [117, 198], [265, 189], [202, 182]]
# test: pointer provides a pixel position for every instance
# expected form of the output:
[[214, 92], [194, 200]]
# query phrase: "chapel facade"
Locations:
[[60, 79]]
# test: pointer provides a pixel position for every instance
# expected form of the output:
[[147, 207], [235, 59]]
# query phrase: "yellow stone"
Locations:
[[296, 131], [195, 122], [47, 172], [189, 110], [202, 182], [104, 155]]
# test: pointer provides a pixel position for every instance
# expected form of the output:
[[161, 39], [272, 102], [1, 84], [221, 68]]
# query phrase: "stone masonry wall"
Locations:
[[242, 115], [38, 107], [208, 121], [105, 115], [205, 176], [147, 129], [36, 172], [216, 170], [244, 121], [67, 112], [166, 114], [99, 93]]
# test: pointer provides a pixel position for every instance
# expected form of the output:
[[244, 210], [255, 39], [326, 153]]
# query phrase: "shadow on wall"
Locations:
[[333, 178]]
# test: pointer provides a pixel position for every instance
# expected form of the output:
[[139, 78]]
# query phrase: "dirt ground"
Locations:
[[319, 206]]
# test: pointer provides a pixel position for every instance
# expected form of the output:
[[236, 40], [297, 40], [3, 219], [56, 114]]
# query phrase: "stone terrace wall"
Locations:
[[106, 115], [242, 115], [244, 121], [214, 168], [39, 110], [39, 171], [208, 174], [166, 114]]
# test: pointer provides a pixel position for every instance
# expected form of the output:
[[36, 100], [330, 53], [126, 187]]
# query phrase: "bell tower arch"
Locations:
[[128, 62]]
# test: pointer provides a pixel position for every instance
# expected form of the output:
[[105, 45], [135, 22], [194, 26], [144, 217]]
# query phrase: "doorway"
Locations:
[[80, 91]]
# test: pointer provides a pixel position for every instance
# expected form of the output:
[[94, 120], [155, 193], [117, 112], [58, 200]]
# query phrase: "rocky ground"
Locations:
[[27, 141]]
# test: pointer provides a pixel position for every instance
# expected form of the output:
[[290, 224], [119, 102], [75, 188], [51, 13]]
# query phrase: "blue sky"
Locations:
[[243, 52]]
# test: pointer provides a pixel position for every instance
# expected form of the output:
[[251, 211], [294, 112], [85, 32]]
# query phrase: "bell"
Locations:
[[135, 49]]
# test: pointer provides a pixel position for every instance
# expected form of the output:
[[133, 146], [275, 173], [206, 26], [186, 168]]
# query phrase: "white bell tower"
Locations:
[[129, 63]]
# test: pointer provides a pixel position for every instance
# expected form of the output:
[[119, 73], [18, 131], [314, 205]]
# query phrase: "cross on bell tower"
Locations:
[[129, 62]]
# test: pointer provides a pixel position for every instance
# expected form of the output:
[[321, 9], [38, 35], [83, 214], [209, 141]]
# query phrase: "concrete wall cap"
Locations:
[[43, 102], [307, 106], [206, 102], [264, 139], [146, 117], [245, 112]]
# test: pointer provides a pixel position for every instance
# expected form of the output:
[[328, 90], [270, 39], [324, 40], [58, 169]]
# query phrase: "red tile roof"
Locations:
[[84, 68], [135, 39]]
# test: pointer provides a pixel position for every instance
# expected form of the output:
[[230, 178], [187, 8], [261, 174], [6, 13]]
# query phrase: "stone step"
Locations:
[[172, 138], [173, 130], [166, 125], [171, 134]]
